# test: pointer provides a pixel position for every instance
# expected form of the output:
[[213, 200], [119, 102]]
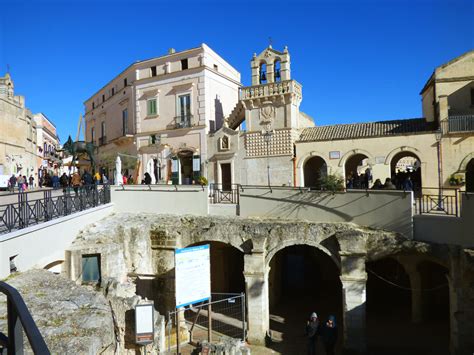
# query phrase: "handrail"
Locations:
[[17, 310]]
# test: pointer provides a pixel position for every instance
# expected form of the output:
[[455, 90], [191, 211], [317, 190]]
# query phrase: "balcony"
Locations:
[[271, 89], [184, 121], [102, 140], [459, 124]]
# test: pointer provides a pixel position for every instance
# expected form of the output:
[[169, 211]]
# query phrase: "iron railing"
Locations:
[[459, 124], [19, 320], [437, 201], [184, 121], [224, 193], [53, 204]]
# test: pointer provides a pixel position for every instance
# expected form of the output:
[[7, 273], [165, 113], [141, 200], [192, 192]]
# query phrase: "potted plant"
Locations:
[[456, 180], [202, 180]]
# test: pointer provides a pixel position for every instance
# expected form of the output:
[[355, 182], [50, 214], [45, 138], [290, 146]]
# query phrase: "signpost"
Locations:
[[192, 279], [144, 324]]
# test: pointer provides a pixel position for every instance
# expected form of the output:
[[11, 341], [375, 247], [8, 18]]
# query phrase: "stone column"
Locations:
[[416, 294], [354, 280], [256, 287]]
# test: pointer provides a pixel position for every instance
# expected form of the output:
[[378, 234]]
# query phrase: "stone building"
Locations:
[[48, 144], [282, 147], [160, 111], [18, 133]]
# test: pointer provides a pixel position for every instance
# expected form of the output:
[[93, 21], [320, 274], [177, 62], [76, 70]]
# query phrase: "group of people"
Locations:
[[21, 182], [406, 181], [327, 332]]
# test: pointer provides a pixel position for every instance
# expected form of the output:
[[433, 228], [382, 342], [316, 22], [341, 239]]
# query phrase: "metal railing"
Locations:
[[184, 121], [53, 204], [19, 320], [438, 201], [459, 124], [224, 193]]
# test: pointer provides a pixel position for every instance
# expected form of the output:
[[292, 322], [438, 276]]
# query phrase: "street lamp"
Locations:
[[267, 136], [438, 136]]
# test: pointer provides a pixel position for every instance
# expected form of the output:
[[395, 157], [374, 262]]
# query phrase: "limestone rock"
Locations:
[[72, 319]]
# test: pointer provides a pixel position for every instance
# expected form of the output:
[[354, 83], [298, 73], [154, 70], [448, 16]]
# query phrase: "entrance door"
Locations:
[[226, 177], [186, 170]]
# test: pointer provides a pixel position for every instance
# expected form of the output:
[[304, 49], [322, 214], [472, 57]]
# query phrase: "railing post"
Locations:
[[22, 210], [15, 333]]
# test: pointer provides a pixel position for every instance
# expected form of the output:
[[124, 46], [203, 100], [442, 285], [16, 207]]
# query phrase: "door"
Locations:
[[226, 177]]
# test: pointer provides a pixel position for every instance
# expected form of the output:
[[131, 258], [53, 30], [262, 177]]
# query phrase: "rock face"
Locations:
[[72, 319]]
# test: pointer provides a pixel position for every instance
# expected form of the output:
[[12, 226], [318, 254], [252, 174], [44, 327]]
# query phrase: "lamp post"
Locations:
[[267, 136], [438, 136]]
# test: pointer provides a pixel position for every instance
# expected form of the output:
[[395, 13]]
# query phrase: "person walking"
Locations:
[[64, 181], [329, 335], [147, 179], [76, 182], [312, 331], [31, 181], [21, 183], [12, 183]]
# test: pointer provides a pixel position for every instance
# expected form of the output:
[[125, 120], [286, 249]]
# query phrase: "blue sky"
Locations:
[[357, 60]]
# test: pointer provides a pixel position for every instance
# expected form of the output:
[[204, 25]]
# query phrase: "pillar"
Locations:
[[354, 281], [256, 287], [416, 293]]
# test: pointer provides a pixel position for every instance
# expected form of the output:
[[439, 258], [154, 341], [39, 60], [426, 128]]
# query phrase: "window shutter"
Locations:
[[174, 170], [196, 167]]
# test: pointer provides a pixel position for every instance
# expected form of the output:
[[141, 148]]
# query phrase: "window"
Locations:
[[472, 96], [45, 147], [102, 129], [113, 91], [91, 268], [184, 64], [216, 68], [153, 71], [125, 121], [184, 111], [151, 107], [93, 105], [153, 139], [103, 98], [92, 135], [125, 82]]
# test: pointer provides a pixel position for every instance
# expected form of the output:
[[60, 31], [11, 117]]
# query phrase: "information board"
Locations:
[[144, 323], [192, 275]]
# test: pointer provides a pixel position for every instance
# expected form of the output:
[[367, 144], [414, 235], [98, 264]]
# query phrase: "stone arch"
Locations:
[[288, 243], [465, 162], [403, 149], [345, 157], [214, 237], [54, 266], [307, 156]]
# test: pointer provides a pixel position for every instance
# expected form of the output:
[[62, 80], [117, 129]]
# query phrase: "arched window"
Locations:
[[263, 73], [276, 71], [224, 143]]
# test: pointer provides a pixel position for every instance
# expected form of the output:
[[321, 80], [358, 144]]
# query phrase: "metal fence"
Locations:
[[458, 124], [224, 193], [30, 209], [222, 316], [438, 201]]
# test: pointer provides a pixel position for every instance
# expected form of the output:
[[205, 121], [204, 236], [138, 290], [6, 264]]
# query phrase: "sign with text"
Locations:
[[144, 324], [192, 275]]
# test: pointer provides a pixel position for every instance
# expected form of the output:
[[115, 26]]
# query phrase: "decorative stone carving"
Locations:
[[267, 114]]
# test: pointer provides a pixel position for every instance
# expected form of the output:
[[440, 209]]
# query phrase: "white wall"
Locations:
[[389, 210], [161, 199], [40, 245]]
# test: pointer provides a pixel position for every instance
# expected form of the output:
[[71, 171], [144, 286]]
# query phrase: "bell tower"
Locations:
[[272, 117]]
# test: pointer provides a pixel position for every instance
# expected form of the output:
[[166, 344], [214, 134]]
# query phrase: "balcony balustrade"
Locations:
[[458, 124], [271, 89], [184, 121]]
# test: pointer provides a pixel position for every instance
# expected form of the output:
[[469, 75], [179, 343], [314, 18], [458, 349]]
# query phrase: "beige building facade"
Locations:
[[18, 133], [158, 112], [281, 145]]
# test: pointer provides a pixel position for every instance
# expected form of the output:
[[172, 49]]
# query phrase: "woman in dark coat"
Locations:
[[147, 179], [329, 335]]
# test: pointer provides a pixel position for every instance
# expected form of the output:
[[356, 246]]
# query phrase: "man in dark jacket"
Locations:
[[329, 335], [312, 330]]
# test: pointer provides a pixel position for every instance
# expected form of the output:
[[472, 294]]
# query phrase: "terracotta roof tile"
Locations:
[[366, 130]]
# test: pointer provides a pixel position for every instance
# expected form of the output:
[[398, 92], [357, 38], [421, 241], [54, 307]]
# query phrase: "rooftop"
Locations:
[[366, 130]]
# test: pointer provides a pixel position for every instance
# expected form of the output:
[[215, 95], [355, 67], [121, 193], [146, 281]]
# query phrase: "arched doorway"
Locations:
[[391, 294], [302, 280], [314, 169], [405, 167], [470, 176], [357, 171]]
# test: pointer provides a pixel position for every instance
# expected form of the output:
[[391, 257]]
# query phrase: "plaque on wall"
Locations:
[[334, 155], [379, 160]]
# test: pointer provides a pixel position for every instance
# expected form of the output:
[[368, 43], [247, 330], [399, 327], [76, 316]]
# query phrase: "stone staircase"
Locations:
[[237, 116]]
